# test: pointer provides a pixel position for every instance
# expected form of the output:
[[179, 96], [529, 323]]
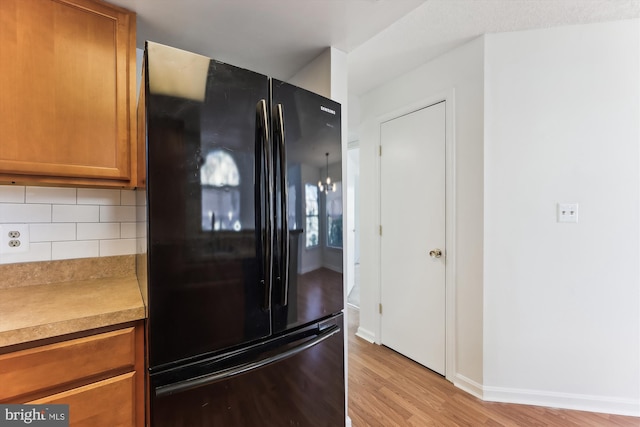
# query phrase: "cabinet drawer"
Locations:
[[108, 403], [32, 371]]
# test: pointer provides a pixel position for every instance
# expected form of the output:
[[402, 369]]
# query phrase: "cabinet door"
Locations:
[[67, 81]]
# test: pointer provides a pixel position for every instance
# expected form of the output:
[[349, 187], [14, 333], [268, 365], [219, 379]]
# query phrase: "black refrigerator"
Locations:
[[243, 257]]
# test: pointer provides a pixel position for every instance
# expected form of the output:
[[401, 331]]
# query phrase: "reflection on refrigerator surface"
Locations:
[[220, 179]]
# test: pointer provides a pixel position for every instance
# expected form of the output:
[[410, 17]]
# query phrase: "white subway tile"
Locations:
[[141, 229], [11, 194], [117, 213], [141, 245], [75, 213], [53, 195], [98, 230], [127, 197], [141, 197], [37, 252], [76, 249], [52, 232], [22, 213], [98, 196], [117, 247], [141, 213], [128, 230]]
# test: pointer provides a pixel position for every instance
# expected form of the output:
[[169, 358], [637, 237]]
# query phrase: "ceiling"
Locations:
[[279, 37]]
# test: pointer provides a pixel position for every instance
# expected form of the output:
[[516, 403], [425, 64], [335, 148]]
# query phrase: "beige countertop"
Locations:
[[30, 313]]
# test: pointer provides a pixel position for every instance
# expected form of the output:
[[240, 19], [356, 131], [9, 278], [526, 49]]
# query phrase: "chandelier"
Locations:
[[327, 186]]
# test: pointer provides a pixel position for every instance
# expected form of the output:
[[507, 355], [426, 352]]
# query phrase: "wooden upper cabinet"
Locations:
[[67, 93]]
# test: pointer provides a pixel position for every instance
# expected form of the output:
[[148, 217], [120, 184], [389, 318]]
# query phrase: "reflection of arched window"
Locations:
[[219, 170], [220, 178], [333, 207], [311, 208]]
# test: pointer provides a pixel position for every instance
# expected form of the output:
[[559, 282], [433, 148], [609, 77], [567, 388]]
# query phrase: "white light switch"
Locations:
[[567, 212]]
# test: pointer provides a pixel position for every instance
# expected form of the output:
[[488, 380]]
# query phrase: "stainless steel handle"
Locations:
[[284, 248], [189, 384], [266, 180], [436, 253]]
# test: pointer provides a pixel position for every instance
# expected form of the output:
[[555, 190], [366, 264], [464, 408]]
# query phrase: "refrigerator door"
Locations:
[[294, 380], [208, 149], [307, 283]]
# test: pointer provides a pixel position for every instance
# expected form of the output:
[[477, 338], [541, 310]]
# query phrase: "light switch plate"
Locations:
[[567, 212], [14, 238]]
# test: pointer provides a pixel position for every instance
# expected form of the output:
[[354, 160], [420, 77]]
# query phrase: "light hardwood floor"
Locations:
[[387, 389]]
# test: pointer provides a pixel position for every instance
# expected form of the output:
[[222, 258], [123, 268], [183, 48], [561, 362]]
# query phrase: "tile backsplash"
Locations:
[[67, 223]]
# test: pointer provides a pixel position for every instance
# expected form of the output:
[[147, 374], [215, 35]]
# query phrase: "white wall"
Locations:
[[316, 75], [562, 322], [352, 211], [462, 70]]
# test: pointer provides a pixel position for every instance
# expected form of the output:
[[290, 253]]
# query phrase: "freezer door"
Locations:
[[307, 148], [208, 144], [296, 381]]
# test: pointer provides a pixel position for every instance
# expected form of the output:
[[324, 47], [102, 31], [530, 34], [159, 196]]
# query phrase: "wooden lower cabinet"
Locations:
[[100, 376], [106, 403]]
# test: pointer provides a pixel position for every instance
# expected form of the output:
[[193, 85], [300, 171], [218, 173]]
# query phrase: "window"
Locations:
[[291, 208], [333, 209], [220, 180], [312, 231]]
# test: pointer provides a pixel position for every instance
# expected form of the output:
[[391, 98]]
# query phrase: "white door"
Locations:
[[412, 186]]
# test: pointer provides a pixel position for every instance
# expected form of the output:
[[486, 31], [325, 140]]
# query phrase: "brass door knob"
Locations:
[[436, 253]]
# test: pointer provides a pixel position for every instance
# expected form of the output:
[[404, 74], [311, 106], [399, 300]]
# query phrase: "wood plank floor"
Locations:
[[387, 389]]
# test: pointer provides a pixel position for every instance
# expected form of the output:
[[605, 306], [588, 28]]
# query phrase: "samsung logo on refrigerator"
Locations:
[[327, 110]]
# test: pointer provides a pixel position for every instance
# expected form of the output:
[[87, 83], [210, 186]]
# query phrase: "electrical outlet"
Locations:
[[567, 212], [14, 238]]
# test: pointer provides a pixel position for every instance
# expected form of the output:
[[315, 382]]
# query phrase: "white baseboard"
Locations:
[[468, 385], [366, 335], [348, 421], [308, 268], [579, 402], [332, 267]]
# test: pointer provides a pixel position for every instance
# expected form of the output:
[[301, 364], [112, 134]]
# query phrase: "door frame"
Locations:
[[448, 97]]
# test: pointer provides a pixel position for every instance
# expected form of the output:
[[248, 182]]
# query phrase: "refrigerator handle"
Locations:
[[284, 199], [267, 199], [181, 386]]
